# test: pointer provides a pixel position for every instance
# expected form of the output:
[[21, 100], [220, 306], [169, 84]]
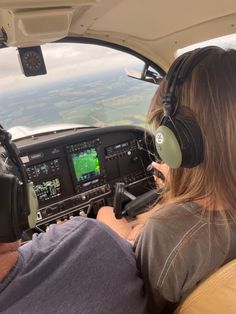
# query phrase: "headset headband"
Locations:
[[177, 75], [179, 139]]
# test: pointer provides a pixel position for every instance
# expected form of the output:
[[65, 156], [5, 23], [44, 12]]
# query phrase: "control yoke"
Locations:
[[137, 205]]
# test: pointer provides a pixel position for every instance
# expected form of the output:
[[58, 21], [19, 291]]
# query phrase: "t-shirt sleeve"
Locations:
[[158, 258]]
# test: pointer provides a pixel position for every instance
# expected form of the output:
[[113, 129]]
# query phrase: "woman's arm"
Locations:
[[121, 226], [127, 230]]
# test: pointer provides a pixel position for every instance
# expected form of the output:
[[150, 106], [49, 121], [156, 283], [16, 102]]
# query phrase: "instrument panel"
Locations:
[[74, 173]]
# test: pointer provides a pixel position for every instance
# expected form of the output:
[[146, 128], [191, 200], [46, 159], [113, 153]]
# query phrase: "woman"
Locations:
[[192, 232]]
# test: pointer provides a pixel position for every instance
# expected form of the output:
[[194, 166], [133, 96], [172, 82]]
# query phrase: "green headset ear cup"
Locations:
[[168, 147]]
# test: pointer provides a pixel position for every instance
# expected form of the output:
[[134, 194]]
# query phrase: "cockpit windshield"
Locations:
[[85, 85]]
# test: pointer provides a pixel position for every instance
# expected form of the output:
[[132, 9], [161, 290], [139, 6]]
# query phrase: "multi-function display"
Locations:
[[48, 189], [86, 164]]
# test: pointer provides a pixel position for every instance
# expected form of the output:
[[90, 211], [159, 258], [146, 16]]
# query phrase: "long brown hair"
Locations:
[[208, 95]]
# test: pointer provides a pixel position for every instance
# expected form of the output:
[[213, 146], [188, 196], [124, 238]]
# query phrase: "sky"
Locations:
[[62, 61], [67, 60], [226, 42]]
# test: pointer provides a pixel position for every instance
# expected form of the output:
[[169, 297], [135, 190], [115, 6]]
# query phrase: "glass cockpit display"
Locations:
[[48, 189], [86, 165]]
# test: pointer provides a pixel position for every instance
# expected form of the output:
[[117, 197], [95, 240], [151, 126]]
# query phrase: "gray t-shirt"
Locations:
[[81, 267], [180, 246]]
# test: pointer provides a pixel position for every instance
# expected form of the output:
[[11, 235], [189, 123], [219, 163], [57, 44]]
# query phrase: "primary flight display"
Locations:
[[86, 164]]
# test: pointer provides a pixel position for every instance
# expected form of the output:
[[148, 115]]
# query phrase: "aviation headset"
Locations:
[[18, 201], [179, 141]]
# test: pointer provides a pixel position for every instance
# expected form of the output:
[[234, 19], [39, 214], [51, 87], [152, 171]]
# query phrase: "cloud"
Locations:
[[65, 60], [62, 61]]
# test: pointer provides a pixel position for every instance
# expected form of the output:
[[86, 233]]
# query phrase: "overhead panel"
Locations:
[[157, 19]]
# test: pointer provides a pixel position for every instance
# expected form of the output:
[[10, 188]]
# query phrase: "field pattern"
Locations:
[[108, 99]]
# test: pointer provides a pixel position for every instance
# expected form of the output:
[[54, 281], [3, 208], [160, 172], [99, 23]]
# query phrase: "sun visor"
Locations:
[[34, 26]]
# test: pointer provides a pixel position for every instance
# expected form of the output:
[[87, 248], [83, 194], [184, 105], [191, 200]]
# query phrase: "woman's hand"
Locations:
[[121, 226], [161, 173]]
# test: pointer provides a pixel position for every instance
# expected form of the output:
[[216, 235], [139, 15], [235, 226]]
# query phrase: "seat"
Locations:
[[215, 295]]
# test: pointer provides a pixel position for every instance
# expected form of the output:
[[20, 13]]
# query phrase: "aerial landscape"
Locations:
[[99, 100]]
